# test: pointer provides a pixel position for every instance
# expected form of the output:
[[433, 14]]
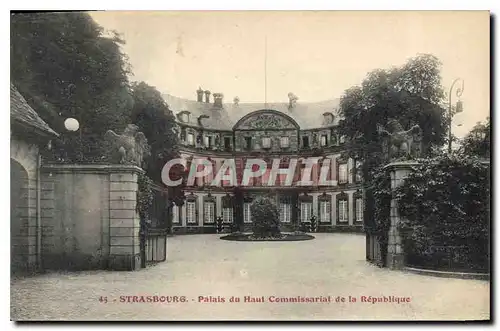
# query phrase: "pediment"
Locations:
[[266, 119]]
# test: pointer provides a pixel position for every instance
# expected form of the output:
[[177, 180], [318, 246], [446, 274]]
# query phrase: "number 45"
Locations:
[[103, 299]]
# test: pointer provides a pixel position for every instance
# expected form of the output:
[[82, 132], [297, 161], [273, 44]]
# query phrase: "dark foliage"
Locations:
[[65, 66], [478, 141], [265, 218], [411, 94], [445, 208]]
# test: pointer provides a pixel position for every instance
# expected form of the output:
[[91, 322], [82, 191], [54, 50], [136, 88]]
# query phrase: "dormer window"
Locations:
[[184, 116], [266, 142], [328, 118]]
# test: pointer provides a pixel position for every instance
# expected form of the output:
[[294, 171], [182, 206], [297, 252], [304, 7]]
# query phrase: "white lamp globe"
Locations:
[[71, 124]]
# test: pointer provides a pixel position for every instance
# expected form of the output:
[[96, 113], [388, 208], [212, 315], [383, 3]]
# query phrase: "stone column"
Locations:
[[124, 222], [201, 208], [395, 255], [315, 210], [334, 208], [350, 206]]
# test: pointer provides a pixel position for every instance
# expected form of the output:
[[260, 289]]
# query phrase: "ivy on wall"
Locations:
[[144, 196], [444, 206], [380, 186]]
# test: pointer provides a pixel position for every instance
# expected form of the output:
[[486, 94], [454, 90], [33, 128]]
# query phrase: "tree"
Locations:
[[477, 141], [265, 218], [153, 117], [65, 66], [411, 94]]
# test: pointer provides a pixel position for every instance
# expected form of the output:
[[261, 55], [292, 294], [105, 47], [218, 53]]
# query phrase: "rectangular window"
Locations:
[[227, 215], [305, 142], [248, 142], [359, 210], [324, 140], [305, 211], [343, 173], [190, 139], [246, 213], [285, 211], [191, 212], [284, 142], [266, 142], [209, 212], [227, 143], [343, 211], [324, 211]]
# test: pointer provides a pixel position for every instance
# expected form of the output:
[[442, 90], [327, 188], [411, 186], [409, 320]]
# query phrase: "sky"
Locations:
[[317, 55]]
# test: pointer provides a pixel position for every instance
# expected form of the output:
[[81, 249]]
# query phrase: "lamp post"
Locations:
[[458, 107], [72, 124]]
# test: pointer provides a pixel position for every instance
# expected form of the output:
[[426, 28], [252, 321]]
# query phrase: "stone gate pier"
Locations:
[[399, 171], [88, 217]]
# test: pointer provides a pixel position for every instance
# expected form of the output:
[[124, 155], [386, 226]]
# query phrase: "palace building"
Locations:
[[213, 130]]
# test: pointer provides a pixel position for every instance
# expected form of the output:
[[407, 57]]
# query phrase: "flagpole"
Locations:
[[265, 72]]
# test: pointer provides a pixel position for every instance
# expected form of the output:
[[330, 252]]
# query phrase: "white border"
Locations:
[[192, 5]]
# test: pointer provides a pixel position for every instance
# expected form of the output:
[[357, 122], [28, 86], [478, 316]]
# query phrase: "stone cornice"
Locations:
[[91, 168]]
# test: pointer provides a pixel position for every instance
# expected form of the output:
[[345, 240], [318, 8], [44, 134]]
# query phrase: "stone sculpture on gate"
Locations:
[[400, 143], [130, 147]]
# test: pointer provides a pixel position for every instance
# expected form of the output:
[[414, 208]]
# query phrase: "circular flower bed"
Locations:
[[294, 236]]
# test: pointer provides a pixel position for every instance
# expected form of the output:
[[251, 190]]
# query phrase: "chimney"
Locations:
[[207, 96], [199, 93], [218, 100]]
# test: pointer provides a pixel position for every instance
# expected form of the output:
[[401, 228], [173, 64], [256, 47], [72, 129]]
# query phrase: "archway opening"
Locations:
[[19, 217]]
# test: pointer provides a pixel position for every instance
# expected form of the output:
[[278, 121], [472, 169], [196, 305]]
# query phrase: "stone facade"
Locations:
[[267, 131]]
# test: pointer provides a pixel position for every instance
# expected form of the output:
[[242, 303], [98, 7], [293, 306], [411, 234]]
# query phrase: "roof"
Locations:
[[21, 112], [308, 115]]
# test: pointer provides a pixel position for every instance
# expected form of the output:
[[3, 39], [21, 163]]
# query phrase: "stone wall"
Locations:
[[88, 217]]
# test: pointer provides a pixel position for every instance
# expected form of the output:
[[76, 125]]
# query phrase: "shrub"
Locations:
[[444, 206], [265, 218]]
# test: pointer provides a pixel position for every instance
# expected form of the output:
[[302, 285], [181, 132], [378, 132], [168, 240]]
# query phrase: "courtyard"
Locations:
[[201, 271]]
